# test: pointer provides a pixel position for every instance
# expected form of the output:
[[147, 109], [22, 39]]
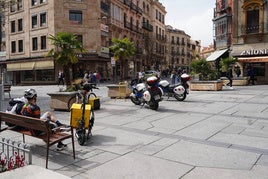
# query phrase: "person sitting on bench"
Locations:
[[31, 109]]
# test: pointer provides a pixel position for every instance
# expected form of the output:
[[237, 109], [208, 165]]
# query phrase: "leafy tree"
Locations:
[[226, 63], [65, 52], [203, 69], [122, 49]]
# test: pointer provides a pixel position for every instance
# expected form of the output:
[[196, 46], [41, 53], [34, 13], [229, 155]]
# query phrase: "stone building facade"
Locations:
[[180, 49], [95, 23], [250, 37]]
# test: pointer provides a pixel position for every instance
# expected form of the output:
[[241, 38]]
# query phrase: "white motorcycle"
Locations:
[[151, 95], [178, 91]]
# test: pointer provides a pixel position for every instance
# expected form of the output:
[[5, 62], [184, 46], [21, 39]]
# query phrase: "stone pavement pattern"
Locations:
[[216, 134]]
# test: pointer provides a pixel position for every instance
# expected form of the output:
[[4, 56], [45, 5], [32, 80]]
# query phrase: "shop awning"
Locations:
[[253, 59], [40, 65], [215, 55], [37, 65]]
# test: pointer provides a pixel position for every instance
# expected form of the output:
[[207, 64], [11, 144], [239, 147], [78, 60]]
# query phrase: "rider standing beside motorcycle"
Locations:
[[173, 76], [179, 75]]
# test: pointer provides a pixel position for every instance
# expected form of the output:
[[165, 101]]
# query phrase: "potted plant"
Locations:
[[207, 76], [66, 48], [121, 49]]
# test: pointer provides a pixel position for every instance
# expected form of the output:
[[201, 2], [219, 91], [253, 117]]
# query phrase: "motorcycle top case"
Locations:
[[76, 115], [185, 77], [94, 102], [152, 81]]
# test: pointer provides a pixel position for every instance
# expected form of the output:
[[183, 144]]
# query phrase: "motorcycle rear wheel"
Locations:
[[180, 97], [135, 100], [154, 105]]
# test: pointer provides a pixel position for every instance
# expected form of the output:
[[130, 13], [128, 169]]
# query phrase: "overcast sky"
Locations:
[[192, 16]]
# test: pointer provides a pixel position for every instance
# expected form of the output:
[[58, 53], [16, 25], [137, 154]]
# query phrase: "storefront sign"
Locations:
[[253, 52]]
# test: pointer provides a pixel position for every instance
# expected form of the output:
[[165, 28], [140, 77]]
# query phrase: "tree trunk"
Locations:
[[121, 70], [66, 70]]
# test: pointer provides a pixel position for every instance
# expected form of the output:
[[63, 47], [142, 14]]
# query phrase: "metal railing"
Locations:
[[14, 155]]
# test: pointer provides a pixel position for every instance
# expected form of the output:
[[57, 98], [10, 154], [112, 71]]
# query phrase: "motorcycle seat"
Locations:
[[173, 86]]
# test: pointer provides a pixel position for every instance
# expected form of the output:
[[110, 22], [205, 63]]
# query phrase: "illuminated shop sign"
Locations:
[[252, 52]]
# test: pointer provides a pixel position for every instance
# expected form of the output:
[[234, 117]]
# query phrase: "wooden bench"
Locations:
[[7, 89], [49, 136]]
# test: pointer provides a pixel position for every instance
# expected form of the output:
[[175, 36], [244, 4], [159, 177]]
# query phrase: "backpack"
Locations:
[[15, 107]]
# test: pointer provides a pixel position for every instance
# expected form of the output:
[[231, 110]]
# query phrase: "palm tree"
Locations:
[[65, 52], [122, 50], [203, 69], [226, 63]]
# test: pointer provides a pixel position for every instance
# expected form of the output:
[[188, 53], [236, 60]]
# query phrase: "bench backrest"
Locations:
[[24, 121]]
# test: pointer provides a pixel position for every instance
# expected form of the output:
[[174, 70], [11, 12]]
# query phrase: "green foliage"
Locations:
[[203, 69], [65, 52], [66, 48], [122, 48], [226, 63]]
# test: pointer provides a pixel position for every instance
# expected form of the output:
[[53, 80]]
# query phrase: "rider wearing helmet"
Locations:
[[31, 109]]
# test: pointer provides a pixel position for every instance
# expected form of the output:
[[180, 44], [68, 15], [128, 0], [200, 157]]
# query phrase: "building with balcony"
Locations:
[[178, 53], [28, 25], [158, 55], [125, 20], [180, 48], [95, 23], [250, 37], [222, 28]]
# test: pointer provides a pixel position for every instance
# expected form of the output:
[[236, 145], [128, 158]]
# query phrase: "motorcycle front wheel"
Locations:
[[180, 97], [135, 100], [154, 105]]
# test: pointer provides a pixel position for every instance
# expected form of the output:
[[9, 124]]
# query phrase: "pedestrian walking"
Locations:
[[229, 75], [251, 75], [98, 78], [61, 78]]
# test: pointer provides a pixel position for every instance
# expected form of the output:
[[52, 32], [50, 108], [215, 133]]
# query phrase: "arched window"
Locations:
[[252, 20], [253, 16]]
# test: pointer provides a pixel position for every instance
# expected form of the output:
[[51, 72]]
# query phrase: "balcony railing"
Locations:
[[160, 37], [132, 27], [132, 6], [254, 29], [147, 26], [127, 25]]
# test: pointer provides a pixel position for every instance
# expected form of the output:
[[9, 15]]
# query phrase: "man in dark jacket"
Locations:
[[229, 75]]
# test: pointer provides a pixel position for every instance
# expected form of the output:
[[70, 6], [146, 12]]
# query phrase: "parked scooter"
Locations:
[[150, 95], [178, 91]]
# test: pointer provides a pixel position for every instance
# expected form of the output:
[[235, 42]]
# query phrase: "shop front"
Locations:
[[34, 71], [89, 62], [253, 56]]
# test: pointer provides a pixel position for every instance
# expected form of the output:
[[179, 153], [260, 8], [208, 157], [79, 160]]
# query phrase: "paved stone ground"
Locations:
[[216, 134]]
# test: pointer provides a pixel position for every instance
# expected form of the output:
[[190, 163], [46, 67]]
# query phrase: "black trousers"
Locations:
[[230, 83], [61, 80]]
